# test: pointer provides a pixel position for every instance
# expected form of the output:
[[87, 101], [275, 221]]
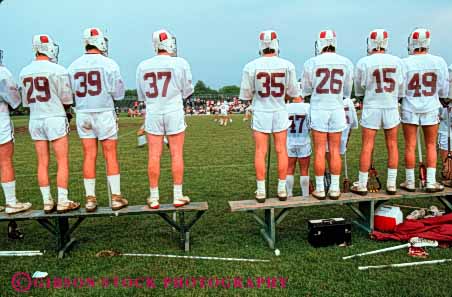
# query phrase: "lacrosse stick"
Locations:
[[373, 183], [405, 264], [414, 242], [327, 181], [447, 163], [422, 168], [346, 182], [109, 253], [20, 253], [267, 186]]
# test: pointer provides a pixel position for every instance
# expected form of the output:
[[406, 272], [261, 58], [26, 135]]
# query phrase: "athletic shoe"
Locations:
[[319, 195], [118, 202], [91, 204], [2, 208], [18, 207], [358, 189], [282, 194], [408, 186], [391, 190], [260, 196], [50, 206], [67, 206], [447, 183], [181, 201], [416, 214], [153, 203], [434, 188], [334, 195], [14, 232]]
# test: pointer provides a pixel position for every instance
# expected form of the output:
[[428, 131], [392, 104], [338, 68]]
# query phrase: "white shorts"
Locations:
[[270, 122], [165, 124], [48, 129], [423, 119], [299, 151], [442, 141], [377, 118], [100, 125], [224, 113], [6, 129], [328, 121]]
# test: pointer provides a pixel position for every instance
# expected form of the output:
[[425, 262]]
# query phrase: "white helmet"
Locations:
[[164, 40], [43, 44], [325, 39], [419, 38], [378, 39], [95, 37], [268, 39]]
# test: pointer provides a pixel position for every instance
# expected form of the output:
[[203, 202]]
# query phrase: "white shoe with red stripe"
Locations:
[[181, 201]]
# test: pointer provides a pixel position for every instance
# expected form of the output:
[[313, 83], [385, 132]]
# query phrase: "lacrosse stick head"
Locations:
[[373, 184], [108, 253], [422, 175], [346, 186], [417, 252], [447, 167], [422, 242]]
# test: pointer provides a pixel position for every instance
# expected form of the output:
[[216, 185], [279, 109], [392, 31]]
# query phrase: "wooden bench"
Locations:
[[58, 224], [363, 206]]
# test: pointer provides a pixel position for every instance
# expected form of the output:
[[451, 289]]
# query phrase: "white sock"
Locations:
[[431, 175], [334, 183], [289, 185], [154, 193], [319, 184], [62, 195], [281, 185], [115, 184], [392, 177], [304, 182], [409, 175], [177, 191], [9, 189], [46, 196], [90, 186], [260, 185], [363, 177]]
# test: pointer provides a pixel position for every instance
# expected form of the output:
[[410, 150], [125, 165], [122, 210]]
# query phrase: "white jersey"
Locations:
[[380, 79], [164, 81], [426, 80], [298, 132], [45, 88], [327, 78], [267, 81], [224, 107], [96, 81], [9, 95]]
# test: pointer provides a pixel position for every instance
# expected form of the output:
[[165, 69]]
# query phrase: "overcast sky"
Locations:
[[217, 37]]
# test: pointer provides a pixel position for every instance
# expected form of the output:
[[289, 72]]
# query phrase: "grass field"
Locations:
[[219, 168]]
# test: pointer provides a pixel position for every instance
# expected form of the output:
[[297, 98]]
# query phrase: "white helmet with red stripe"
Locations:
[[95, 37], [325, 39], [164, 40], [378, 40], [268, 40], [419, 38], [43, 44]]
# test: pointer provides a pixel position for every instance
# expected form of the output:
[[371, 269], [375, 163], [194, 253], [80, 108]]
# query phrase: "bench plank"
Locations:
[[346, 198], [105, 211]]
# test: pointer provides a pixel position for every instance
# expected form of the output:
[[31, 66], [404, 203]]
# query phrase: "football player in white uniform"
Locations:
[[9, 97], [327, 78], [269, 80], [298, 145], [164, 81], [46, 90], [427, 80], [379, 77], [97, 82]]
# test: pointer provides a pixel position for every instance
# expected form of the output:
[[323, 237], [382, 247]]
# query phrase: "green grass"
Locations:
[[219, 168]]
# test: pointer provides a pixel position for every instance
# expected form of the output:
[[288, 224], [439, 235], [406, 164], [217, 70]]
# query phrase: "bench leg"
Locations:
[[365, 212], [269, 230], [447, 202], [63, 232]]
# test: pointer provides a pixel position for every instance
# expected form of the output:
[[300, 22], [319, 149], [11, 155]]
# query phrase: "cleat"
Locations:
[[357, 189], [91, 204], [118, 202], [319, 195], [260, 196], [2, 208], [408, 186], [50, 206], [282, 194], [153, 203], [334, 195], [416, 214], [179, 202], [18, 207], [67, 206], [434, 188], [447, 183], [391, 190]]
